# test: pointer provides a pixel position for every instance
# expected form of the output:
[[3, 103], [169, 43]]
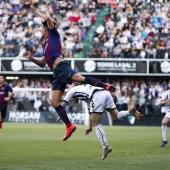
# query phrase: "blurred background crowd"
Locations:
[[127, 29], [141, 93]]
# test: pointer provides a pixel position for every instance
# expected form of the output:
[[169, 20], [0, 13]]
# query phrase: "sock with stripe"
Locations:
[[95, 82], [101, 135], [63, 115]]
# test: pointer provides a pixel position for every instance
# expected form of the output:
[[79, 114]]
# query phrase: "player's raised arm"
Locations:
[[40, 63], [50, 23]]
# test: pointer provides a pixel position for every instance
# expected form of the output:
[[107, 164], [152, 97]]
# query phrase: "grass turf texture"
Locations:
[[25, 146]]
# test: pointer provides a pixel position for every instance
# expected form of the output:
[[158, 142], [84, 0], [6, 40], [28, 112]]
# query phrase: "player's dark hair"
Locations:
[[2, 76], [44, 23]]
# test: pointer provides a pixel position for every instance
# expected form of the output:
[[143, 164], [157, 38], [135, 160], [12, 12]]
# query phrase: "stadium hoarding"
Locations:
[[92, 66], [76, 118], [51, 117], [111, 66], [23, 66], [42, 117], [161, 67]]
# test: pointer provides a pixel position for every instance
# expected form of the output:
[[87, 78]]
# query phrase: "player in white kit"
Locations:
[[165, 100], [98, 100]]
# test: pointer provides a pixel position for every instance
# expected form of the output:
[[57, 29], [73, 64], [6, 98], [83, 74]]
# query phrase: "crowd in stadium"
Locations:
[[131, 29], [20, 28], [135, 30], [143, 94]]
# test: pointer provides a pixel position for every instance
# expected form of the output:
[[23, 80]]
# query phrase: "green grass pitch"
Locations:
[[27, 146]]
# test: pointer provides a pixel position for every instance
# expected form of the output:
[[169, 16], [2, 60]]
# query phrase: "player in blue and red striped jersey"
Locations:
[[4, 98], [63, 74]]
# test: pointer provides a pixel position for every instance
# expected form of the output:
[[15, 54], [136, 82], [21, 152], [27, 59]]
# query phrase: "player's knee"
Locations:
[[95, 123], [78, 78], [164, 123], [54, 104]]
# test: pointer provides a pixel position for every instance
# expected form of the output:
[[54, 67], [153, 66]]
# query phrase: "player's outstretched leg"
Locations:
[[69, 130], [136, 114], [106, 151], [95, 82]]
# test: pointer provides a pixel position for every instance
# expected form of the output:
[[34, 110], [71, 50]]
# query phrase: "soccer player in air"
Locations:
[[4, 98], [98, 100], [165, 100], [63, 74]]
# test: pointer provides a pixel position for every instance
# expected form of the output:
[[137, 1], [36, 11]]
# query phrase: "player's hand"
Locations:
[[6, 98], [89, 130], [58, 119], [27, 55]]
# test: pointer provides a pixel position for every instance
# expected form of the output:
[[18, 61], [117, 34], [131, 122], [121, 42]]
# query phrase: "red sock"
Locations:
[[0, 125]]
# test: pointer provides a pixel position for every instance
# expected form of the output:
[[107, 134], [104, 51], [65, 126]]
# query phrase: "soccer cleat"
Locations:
[[136, 114], [0, 125], [69, 131], [163, 143], [111, 88], [106, 151]]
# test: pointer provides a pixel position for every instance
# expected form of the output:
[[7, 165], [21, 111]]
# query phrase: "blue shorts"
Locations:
[[3, 111], [62, 75]]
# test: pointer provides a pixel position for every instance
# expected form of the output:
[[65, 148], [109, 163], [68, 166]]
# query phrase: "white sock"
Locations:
[[164, 133], [101, 135], [123, 114]]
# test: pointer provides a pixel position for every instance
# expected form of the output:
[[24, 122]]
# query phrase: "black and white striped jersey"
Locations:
[[82, 92]]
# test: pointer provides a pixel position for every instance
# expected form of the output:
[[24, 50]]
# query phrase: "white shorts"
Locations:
[[167, 114], [101, 101]]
